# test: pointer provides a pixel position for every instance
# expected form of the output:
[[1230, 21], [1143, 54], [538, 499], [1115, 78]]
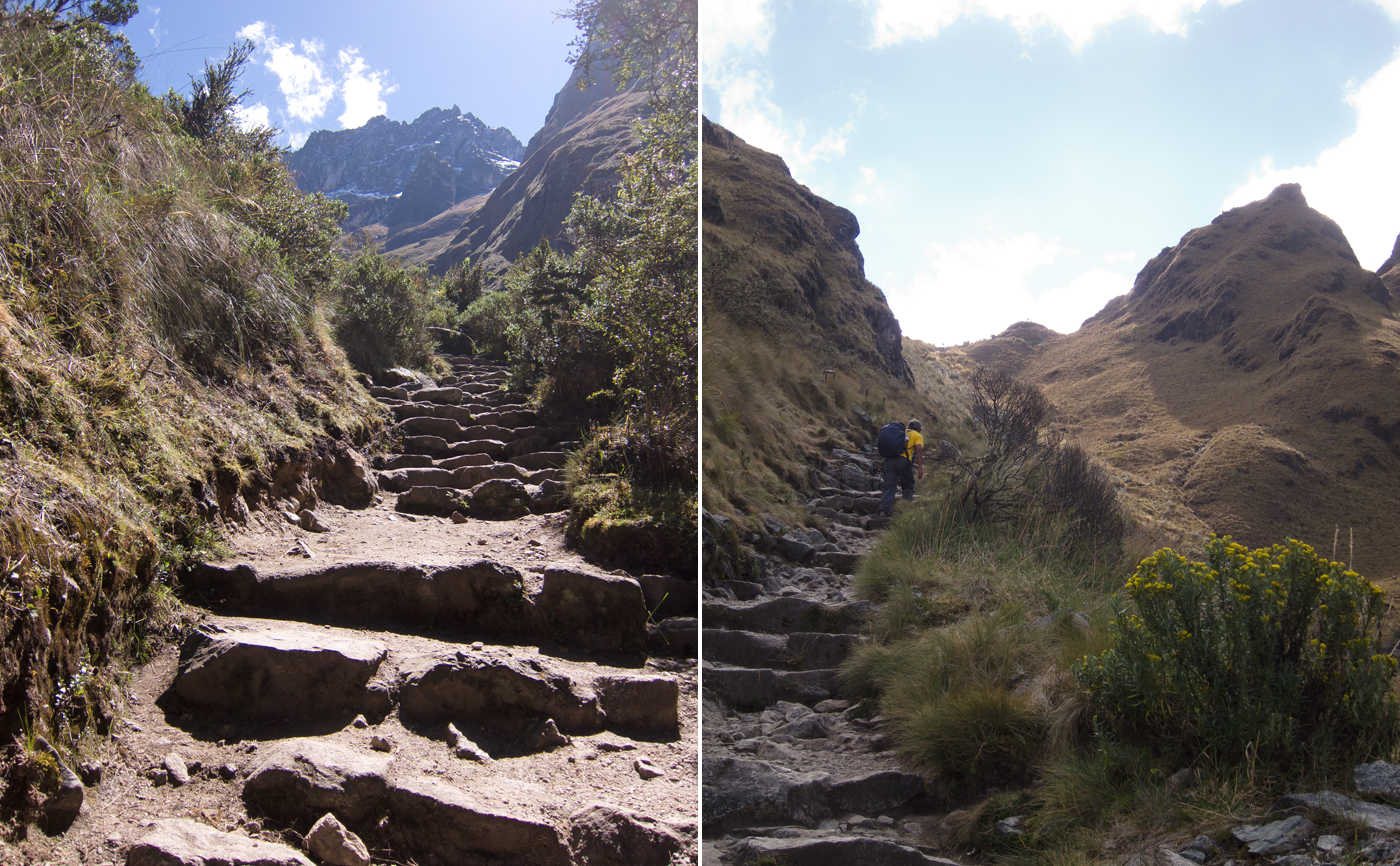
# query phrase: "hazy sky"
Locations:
[[1023, 159], [336, 65]]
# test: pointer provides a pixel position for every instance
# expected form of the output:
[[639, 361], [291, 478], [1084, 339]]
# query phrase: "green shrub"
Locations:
[[385, 313], [1266, 652]]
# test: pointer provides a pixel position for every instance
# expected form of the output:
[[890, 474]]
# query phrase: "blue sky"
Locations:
[[1023, 159], [334, 66]]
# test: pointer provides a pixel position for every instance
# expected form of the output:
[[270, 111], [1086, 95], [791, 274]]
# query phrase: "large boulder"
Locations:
[[606, 835], [343, 477], [499, 498], [299, 781]]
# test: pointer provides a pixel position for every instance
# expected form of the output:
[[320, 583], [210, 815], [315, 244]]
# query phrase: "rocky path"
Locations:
[[437, 672], [792, 773]]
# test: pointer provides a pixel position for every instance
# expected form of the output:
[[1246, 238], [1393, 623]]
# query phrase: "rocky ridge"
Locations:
[[431, 678], [791, 771], [579, 149], [805, 271], [394, 173], [1244, 386]]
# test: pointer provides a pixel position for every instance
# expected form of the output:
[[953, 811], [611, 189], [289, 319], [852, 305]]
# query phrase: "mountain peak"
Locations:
[[370, 167]]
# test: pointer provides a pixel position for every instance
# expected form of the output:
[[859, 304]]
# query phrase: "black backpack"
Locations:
[[892, 440]]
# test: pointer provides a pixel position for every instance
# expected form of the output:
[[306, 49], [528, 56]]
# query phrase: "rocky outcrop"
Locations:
[[376, 167], [431, 190], [1389, 271], [801, 270], [1245, 386], [579, 149]]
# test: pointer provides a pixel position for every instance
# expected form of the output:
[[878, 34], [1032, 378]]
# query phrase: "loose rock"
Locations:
[[332, 844]]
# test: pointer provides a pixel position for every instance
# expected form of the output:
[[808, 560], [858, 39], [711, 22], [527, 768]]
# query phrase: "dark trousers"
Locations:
[[898, 472]]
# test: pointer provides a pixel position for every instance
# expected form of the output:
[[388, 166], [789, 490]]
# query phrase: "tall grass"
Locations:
[[161, 338]]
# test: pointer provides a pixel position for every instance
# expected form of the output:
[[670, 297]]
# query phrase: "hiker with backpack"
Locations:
[[903, 450]]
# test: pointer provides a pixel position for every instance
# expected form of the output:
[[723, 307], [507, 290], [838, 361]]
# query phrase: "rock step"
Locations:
[[248, 670], [741, 793], [493, 499], [803, 651], [752, 689], [785, 615], [832, 850], [436, 446], [464, 414], [464, 478], [476, 599], [453, 431], [436, 823]]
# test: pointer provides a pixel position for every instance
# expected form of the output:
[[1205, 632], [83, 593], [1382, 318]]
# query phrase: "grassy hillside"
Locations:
[[164, 346], [1245, 386], [797, 342]]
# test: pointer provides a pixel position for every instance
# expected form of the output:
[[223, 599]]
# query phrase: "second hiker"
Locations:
[[903, 450]]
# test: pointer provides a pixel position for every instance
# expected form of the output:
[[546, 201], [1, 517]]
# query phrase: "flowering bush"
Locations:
[[1270, 651]]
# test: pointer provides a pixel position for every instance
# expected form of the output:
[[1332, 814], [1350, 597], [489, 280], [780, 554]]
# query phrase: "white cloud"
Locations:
[[735, 25], [1391, 7], [309, 85], [733, 34], [898, 21], [978, 287], [1356, 181], [301, 75], [363, 90], [1115, 258], [747, 109], [872, 190], [253, 116], [155, 31]]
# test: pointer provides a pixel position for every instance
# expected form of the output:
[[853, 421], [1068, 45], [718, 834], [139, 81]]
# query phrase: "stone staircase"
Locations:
[[792, 773], [470, 446], [450, 699]]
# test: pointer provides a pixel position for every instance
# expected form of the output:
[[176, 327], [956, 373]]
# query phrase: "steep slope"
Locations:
[[1246, 385], [579, 149], [799, 248], [380, 170]]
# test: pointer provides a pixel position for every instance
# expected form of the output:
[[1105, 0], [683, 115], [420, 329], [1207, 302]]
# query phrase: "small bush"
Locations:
[[385, 313], [1265, 652]]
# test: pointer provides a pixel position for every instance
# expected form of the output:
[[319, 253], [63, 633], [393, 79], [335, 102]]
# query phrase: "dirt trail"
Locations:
[[438, 670]]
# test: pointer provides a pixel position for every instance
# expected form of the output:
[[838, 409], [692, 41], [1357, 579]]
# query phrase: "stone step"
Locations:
[[282, 671], [447, 396], [786, 615], [541, 460], [744, 793], [752, 689], [462, 478], [380, 392], [476, 599], [436, 822], [255, 670], [436, 446], [832, 848], [403, 461], [453, 432], [493, 499], [505, 690], [797, 651]]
